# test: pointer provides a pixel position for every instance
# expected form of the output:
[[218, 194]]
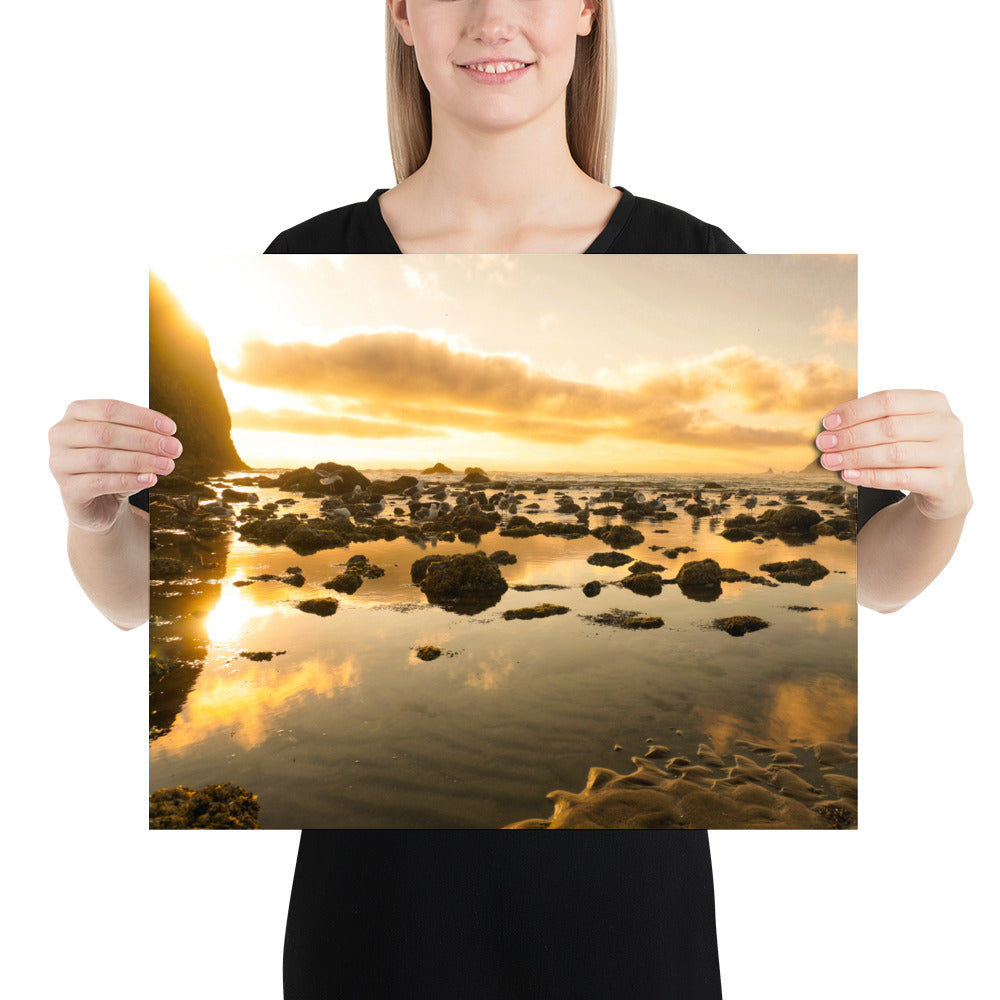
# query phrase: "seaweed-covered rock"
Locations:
[[619, 536], [737, 534], [645, 567], [700, 573], [648, 584], [740, 624], [468, 579], [428, 652], [418, 570], [322, 606], [538, 611], [503, 558], [307, 538], [437, 467], [626, 619], [791, 519], [592, 589], [345, 583], [214, 807], [361, 565], [697, 510], [609, 559], [801, 571]]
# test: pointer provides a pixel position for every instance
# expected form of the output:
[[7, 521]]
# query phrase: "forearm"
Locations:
[[113, 567], [901, 550]]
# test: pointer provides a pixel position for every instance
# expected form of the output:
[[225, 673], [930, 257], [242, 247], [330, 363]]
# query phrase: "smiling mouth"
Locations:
[[495, 68]]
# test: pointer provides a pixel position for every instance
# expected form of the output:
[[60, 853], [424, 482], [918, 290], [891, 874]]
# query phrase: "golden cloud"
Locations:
[[402, 384]]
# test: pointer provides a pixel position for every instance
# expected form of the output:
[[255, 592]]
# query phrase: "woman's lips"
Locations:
[[496, 71]]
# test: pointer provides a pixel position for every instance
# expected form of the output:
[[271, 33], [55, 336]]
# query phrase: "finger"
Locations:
[[81, 489], [118, 437], [923, 481], [77, 461], [115, 411], [919, 427], [888, 402], [898, 455]]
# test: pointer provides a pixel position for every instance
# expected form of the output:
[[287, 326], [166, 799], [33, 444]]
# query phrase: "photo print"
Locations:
[[502, 541]]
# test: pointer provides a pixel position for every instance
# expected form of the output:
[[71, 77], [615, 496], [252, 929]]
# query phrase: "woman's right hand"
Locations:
[[103, 451]]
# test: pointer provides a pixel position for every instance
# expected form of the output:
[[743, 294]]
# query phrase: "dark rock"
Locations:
[[214, 807], [468, 579], [474, 475], [345, 583], [349, 478], [538, 611], [697, 510], [238, 497], [591, 589], [609, 559], [428, 652], [503, 558], [184, 384], [801, 571], [437, 467], [625, 619], [418, 569], [790, 519], [619, 536], [648, 584], [262, 656], [740, 624], [645, 567], [382, 487], [703, 573], [322, 606]]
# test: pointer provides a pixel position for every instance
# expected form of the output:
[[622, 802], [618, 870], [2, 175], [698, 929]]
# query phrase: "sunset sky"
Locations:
[[547, 363]]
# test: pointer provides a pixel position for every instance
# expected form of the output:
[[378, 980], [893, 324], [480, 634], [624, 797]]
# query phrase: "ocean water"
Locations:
[[348, 728]]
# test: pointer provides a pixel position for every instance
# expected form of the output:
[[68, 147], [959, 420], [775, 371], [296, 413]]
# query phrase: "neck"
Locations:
[[504, 175]]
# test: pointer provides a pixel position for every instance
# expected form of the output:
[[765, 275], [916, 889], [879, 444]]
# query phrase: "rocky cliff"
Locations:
[[184, 384]]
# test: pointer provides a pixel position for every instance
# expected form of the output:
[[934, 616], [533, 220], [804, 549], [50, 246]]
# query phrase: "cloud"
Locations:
[[426, 283], [836, 327], [757, 384], [403, 384], [300, 422]]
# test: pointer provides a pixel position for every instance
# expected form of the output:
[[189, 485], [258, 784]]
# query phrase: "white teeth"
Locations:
[[494, 68]]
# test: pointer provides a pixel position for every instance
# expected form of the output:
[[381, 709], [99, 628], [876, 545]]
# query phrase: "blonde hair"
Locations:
[[590, 100]]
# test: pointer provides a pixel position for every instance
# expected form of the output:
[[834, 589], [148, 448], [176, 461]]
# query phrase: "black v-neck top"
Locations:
[[637, 225], [495, 914]]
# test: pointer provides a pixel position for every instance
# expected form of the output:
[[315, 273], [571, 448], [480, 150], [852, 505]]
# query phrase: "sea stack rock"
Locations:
[[184, 384]]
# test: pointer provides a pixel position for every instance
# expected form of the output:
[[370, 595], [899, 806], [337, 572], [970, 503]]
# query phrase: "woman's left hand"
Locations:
[[900, 439]]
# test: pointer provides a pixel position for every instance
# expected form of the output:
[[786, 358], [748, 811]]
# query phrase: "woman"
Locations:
[[501, 122]]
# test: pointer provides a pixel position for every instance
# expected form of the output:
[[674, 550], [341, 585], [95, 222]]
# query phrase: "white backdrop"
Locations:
[[856, 127]]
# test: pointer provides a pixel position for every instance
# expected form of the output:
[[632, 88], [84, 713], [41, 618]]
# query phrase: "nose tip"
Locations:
[[492, 23]]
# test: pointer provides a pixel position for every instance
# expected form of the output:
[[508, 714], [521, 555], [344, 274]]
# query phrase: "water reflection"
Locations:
[[345, 726]]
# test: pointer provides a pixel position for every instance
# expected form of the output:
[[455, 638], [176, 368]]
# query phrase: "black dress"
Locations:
[[498, 914]]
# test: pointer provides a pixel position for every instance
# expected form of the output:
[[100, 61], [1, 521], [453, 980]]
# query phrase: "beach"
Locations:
[[318, 645]]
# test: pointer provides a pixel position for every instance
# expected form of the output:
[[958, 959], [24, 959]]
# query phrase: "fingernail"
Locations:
[[163, 464], [146, 478], [851, 475], [827, 441], [832, 461], [169, 446], [832, 421], [165, 426]]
